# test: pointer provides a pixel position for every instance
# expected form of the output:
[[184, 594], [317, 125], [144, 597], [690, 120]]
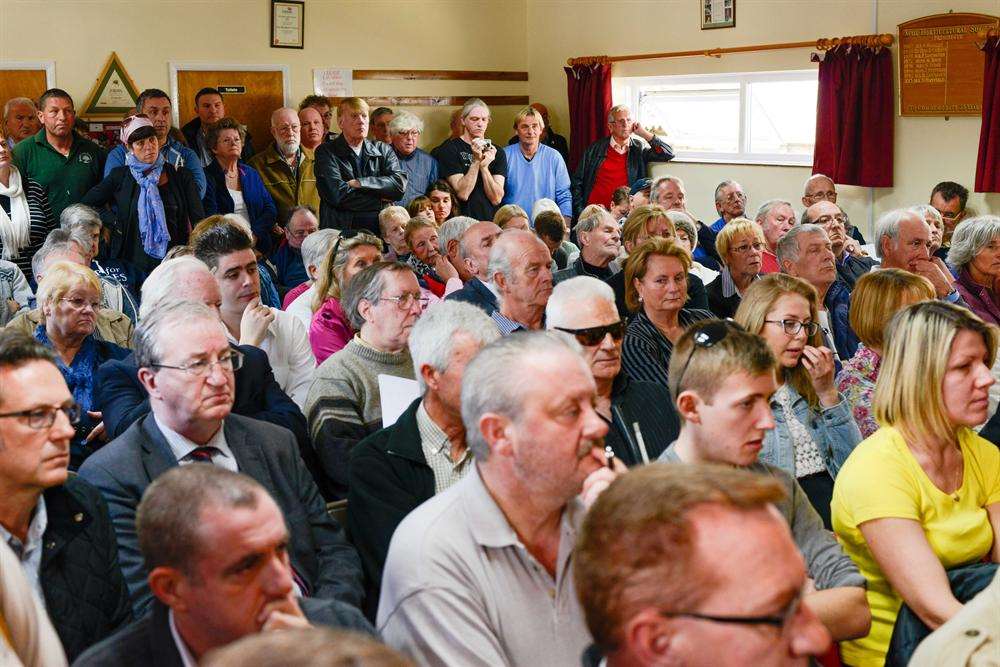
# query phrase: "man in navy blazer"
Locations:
[[186, 365], [474, 250]]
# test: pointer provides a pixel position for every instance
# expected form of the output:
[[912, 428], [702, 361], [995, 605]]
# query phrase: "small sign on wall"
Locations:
[[232, 90], [333, 82]]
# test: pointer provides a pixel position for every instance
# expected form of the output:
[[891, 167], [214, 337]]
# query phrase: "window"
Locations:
[[750, 118]]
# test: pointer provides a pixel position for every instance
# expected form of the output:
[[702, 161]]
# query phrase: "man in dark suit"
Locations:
[[474, 250], [213, 591], [390, 472], [186, 365], [58, 527]]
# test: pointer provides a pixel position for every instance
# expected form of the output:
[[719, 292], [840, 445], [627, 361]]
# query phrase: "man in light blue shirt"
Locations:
[[535, 171], [156, 105]]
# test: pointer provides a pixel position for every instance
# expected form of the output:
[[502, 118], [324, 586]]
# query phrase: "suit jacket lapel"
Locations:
[[247, 453], [165, 653], [157, 457]]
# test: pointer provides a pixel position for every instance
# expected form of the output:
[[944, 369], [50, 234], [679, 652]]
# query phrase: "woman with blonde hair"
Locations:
[[741, 246], [814, 430], [877, 296], [330, 330], [511, 216], [656, 283], [922, 495]]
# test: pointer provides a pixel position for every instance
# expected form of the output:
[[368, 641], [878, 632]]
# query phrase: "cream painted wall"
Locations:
[[928, 150], [360, 34]]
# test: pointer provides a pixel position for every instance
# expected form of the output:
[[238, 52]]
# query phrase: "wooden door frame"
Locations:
[[48, 65], [175, 67]]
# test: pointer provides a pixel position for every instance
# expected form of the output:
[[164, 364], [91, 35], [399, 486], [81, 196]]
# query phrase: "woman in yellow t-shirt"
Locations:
[[922, 494]]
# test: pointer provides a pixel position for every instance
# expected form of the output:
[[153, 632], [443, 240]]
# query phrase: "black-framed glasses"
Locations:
[[780, 621], [594, 335], [793, 327], [44, 417], [706, 336], [203, 367]]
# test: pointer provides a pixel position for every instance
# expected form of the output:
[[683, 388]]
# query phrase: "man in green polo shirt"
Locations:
[[65, 164]]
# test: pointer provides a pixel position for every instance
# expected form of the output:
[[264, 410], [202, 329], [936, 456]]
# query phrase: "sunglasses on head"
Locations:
[[594, 335], [706, 336]]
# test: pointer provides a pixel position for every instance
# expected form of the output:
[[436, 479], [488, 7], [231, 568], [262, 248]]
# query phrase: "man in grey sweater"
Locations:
[[344, 406], [721, 380]]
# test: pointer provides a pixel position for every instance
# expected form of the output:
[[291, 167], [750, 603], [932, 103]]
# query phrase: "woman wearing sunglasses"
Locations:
[[814, 430]]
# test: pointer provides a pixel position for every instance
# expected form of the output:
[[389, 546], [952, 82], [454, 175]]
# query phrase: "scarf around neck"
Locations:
[[14, 228], [152, 218]]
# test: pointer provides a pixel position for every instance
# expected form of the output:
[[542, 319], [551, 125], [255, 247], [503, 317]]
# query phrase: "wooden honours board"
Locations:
[[941, 65]]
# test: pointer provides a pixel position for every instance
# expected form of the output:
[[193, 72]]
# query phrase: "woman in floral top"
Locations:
[[875, 299]]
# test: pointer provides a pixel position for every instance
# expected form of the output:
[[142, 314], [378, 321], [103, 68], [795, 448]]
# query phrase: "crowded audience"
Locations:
[[476, 403]]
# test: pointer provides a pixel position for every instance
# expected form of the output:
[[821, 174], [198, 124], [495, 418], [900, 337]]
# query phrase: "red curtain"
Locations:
[[589, 91], [988, 165], [854, 116]]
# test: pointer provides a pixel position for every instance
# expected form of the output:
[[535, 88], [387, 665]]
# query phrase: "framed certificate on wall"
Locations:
[[288, 24]]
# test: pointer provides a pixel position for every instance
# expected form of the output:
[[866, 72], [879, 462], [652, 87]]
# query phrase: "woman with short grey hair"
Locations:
[[933, 218], [975, 254]]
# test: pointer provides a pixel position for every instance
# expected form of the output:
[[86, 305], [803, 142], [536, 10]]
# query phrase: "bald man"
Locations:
[[286, 166], [549, 136], [819, 188]]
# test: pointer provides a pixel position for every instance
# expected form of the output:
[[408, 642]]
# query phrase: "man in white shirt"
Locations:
[[228, 252]]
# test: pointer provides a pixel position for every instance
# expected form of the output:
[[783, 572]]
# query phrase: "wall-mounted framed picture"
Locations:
[[717, 14], [288, 24]]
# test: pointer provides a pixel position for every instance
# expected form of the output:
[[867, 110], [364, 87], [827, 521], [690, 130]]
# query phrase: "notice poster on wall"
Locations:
[[333, 82]]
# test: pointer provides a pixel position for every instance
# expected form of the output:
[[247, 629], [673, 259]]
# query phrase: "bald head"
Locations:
[[312, 129], [819, 188]]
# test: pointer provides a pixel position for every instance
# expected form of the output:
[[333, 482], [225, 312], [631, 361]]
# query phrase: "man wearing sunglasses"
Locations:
[[640, 416], [721, 380], [690, 565], [58, 527], [186, 365]]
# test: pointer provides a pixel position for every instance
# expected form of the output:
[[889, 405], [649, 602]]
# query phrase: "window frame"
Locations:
[[626, 90]]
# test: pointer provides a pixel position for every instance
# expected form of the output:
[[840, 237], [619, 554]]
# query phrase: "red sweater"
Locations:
[[612, 174]]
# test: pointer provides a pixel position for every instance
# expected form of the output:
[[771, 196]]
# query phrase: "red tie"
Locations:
[[202, 454]]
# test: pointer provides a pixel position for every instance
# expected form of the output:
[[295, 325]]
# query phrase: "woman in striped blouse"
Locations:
[[656, 284], [25, 216]]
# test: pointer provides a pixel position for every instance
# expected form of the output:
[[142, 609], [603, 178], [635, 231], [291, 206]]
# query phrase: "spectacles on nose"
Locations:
[[592, 336], [823, 196], [745, 248], [827, 219], [302, 233], [45, 417], [406, 301], [79, 304], [781, 621], [283, 129], [232, 361], [707, 335], [793, 327]]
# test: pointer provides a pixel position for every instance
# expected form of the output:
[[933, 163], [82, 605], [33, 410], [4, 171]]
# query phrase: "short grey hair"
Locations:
[[472, 104], [146, 339], [615, 109], [452, 229], [972, 236], [766, 208], [683, 221], [17, 101], [788, 246], [80, 216], [500, 257], [805, 219], [887, 226], [664, 179], [927, 209], [720, 187], [387, 214], [574, 292], [316, 245], [593, 221], [368, 285], [404, 121], [495, 379], [168, 520], [432, 338], [542, 205], [166, 283], [58, 241]]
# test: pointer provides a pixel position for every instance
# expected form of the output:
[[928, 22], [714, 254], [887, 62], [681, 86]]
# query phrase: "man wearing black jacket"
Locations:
[[356, 177], [423, 453]]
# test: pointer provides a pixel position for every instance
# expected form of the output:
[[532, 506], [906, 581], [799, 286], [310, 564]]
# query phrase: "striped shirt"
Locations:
[[41, 221], [437, 451], [506, 325], [646, 351]]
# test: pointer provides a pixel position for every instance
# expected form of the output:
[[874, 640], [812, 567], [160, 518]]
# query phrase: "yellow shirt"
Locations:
[[882, 479]]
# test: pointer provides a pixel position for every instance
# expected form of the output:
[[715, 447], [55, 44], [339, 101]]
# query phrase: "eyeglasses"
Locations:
[[781, 621], [39, 418], [406, 301], [823, 196], [948, 215], [592, 336], [827, 219], [231, 142], [736, 196], [411, 133], [793, 327], [706, 336], [203, 367], [745, 248], [288, 128], [79, 304], [302, 233]]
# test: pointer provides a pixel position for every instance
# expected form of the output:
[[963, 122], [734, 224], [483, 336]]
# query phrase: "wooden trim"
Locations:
[[491, 100], [822, 44], [437, 75]]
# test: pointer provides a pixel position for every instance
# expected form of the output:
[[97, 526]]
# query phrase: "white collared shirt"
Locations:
[[30, 552], [286, 345], [182, 447], [301, 308], [186, 658]]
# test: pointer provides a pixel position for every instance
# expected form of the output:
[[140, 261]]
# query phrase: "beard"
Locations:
[[288, 147]]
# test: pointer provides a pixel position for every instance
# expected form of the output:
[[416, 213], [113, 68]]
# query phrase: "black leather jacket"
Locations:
[[640, 154], [382, 181]]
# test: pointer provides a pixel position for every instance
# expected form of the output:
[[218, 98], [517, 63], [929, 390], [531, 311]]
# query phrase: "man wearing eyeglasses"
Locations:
[[949, 198], [722, 380], [819, 188], [58, 527], [186, 365], [640, 417], [728, 580], [287, 259], [420, 168], [851, 262], [286, 166]]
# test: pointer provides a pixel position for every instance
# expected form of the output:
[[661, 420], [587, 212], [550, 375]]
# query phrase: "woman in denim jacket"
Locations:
[[814, 429]]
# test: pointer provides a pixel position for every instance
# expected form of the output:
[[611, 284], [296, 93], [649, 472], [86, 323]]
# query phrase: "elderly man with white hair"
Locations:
[[775, 217], [393, 471], [474, 247], [600, 244], [520, 267], [286, 167], [640, 415], [903, 241], [289, 266], [420, 168], [298, 300], [449, 239], [482, 574]]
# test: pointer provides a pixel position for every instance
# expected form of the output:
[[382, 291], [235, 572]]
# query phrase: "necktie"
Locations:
[[202, 454]]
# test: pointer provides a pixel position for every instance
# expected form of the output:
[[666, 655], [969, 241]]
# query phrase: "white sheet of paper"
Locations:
[[333, 82], [396, 394]]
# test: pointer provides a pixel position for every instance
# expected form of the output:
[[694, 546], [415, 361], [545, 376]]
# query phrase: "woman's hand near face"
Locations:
[[818, 361]]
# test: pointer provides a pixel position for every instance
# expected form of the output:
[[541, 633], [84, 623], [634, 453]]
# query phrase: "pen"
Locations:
[[609, 455]]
